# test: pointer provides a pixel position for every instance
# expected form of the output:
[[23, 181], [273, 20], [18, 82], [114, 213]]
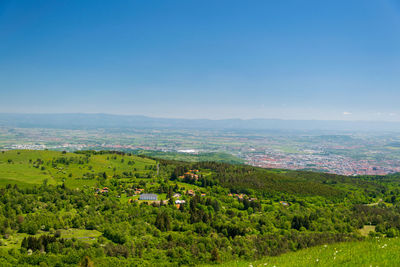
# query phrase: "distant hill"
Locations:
[[215, 157], [93, 121]]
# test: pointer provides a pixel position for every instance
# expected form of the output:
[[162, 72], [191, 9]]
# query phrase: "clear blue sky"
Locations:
[[202, 59]]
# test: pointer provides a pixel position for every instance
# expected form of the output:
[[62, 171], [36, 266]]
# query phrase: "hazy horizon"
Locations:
[[195, 118]]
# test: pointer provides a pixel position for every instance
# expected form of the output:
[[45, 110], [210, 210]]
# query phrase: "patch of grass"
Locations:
[[367, 229], [88, 236], [13, 241], [371, 252]]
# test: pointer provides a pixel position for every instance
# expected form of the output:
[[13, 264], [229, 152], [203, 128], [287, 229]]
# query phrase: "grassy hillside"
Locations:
[[30, 167], [372, 252]]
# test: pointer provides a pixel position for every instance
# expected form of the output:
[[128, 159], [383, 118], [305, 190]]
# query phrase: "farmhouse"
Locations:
[[138, 191], [148, 197], [104, 190], [177, 195], [240, 196], [283, 203], [190, 192], [191, 174]]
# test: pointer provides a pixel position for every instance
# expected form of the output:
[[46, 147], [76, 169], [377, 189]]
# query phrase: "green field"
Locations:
[[14, 239], [372, 252], [18, 167], [80, 234]]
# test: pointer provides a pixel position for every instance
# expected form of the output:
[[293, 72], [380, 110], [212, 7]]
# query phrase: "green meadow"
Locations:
[[371, 252], [19, 167], [88, 236]]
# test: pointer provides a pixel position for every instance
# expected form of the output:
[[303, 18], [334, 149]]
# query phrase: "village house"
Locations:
[[190, 174], [283, 203], [104, 190], [138, 191], [190, 192], [240, 196], [177, 195], [180, 201]]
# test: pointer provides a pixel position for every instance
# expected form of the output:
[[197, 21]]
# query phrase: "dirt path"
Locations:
[[376, 203]]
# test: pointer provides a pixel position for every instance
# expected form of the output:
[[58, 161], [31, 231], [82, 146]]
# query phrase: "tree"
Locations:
[[86, 262], [163, 222], [169, 193], [215, 255]]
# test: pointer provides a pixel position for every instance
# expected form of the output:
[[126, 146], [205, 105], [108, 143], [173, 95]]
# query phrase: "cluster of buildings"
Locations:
[[74, 147], [238, 196], [154, 197], [192, 174], [27, 146], [330, 163], [241, 197], [102, 191], [138, 191]]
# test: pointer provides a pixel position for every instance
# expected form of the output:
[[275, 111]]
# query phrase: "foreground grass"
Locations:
[[372, 252]]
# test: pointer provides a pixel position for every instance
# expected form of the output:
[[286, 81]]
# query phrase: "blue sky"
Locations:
[[202, 59]]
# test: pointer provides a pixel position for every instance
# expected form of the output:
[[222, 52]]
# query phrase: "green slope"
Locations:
[[372, 252], [21, 167]]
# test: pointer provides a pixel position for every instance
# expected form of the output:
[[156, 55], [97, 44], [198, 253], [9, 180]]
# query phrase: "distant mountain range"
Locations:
[[95, 121]]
